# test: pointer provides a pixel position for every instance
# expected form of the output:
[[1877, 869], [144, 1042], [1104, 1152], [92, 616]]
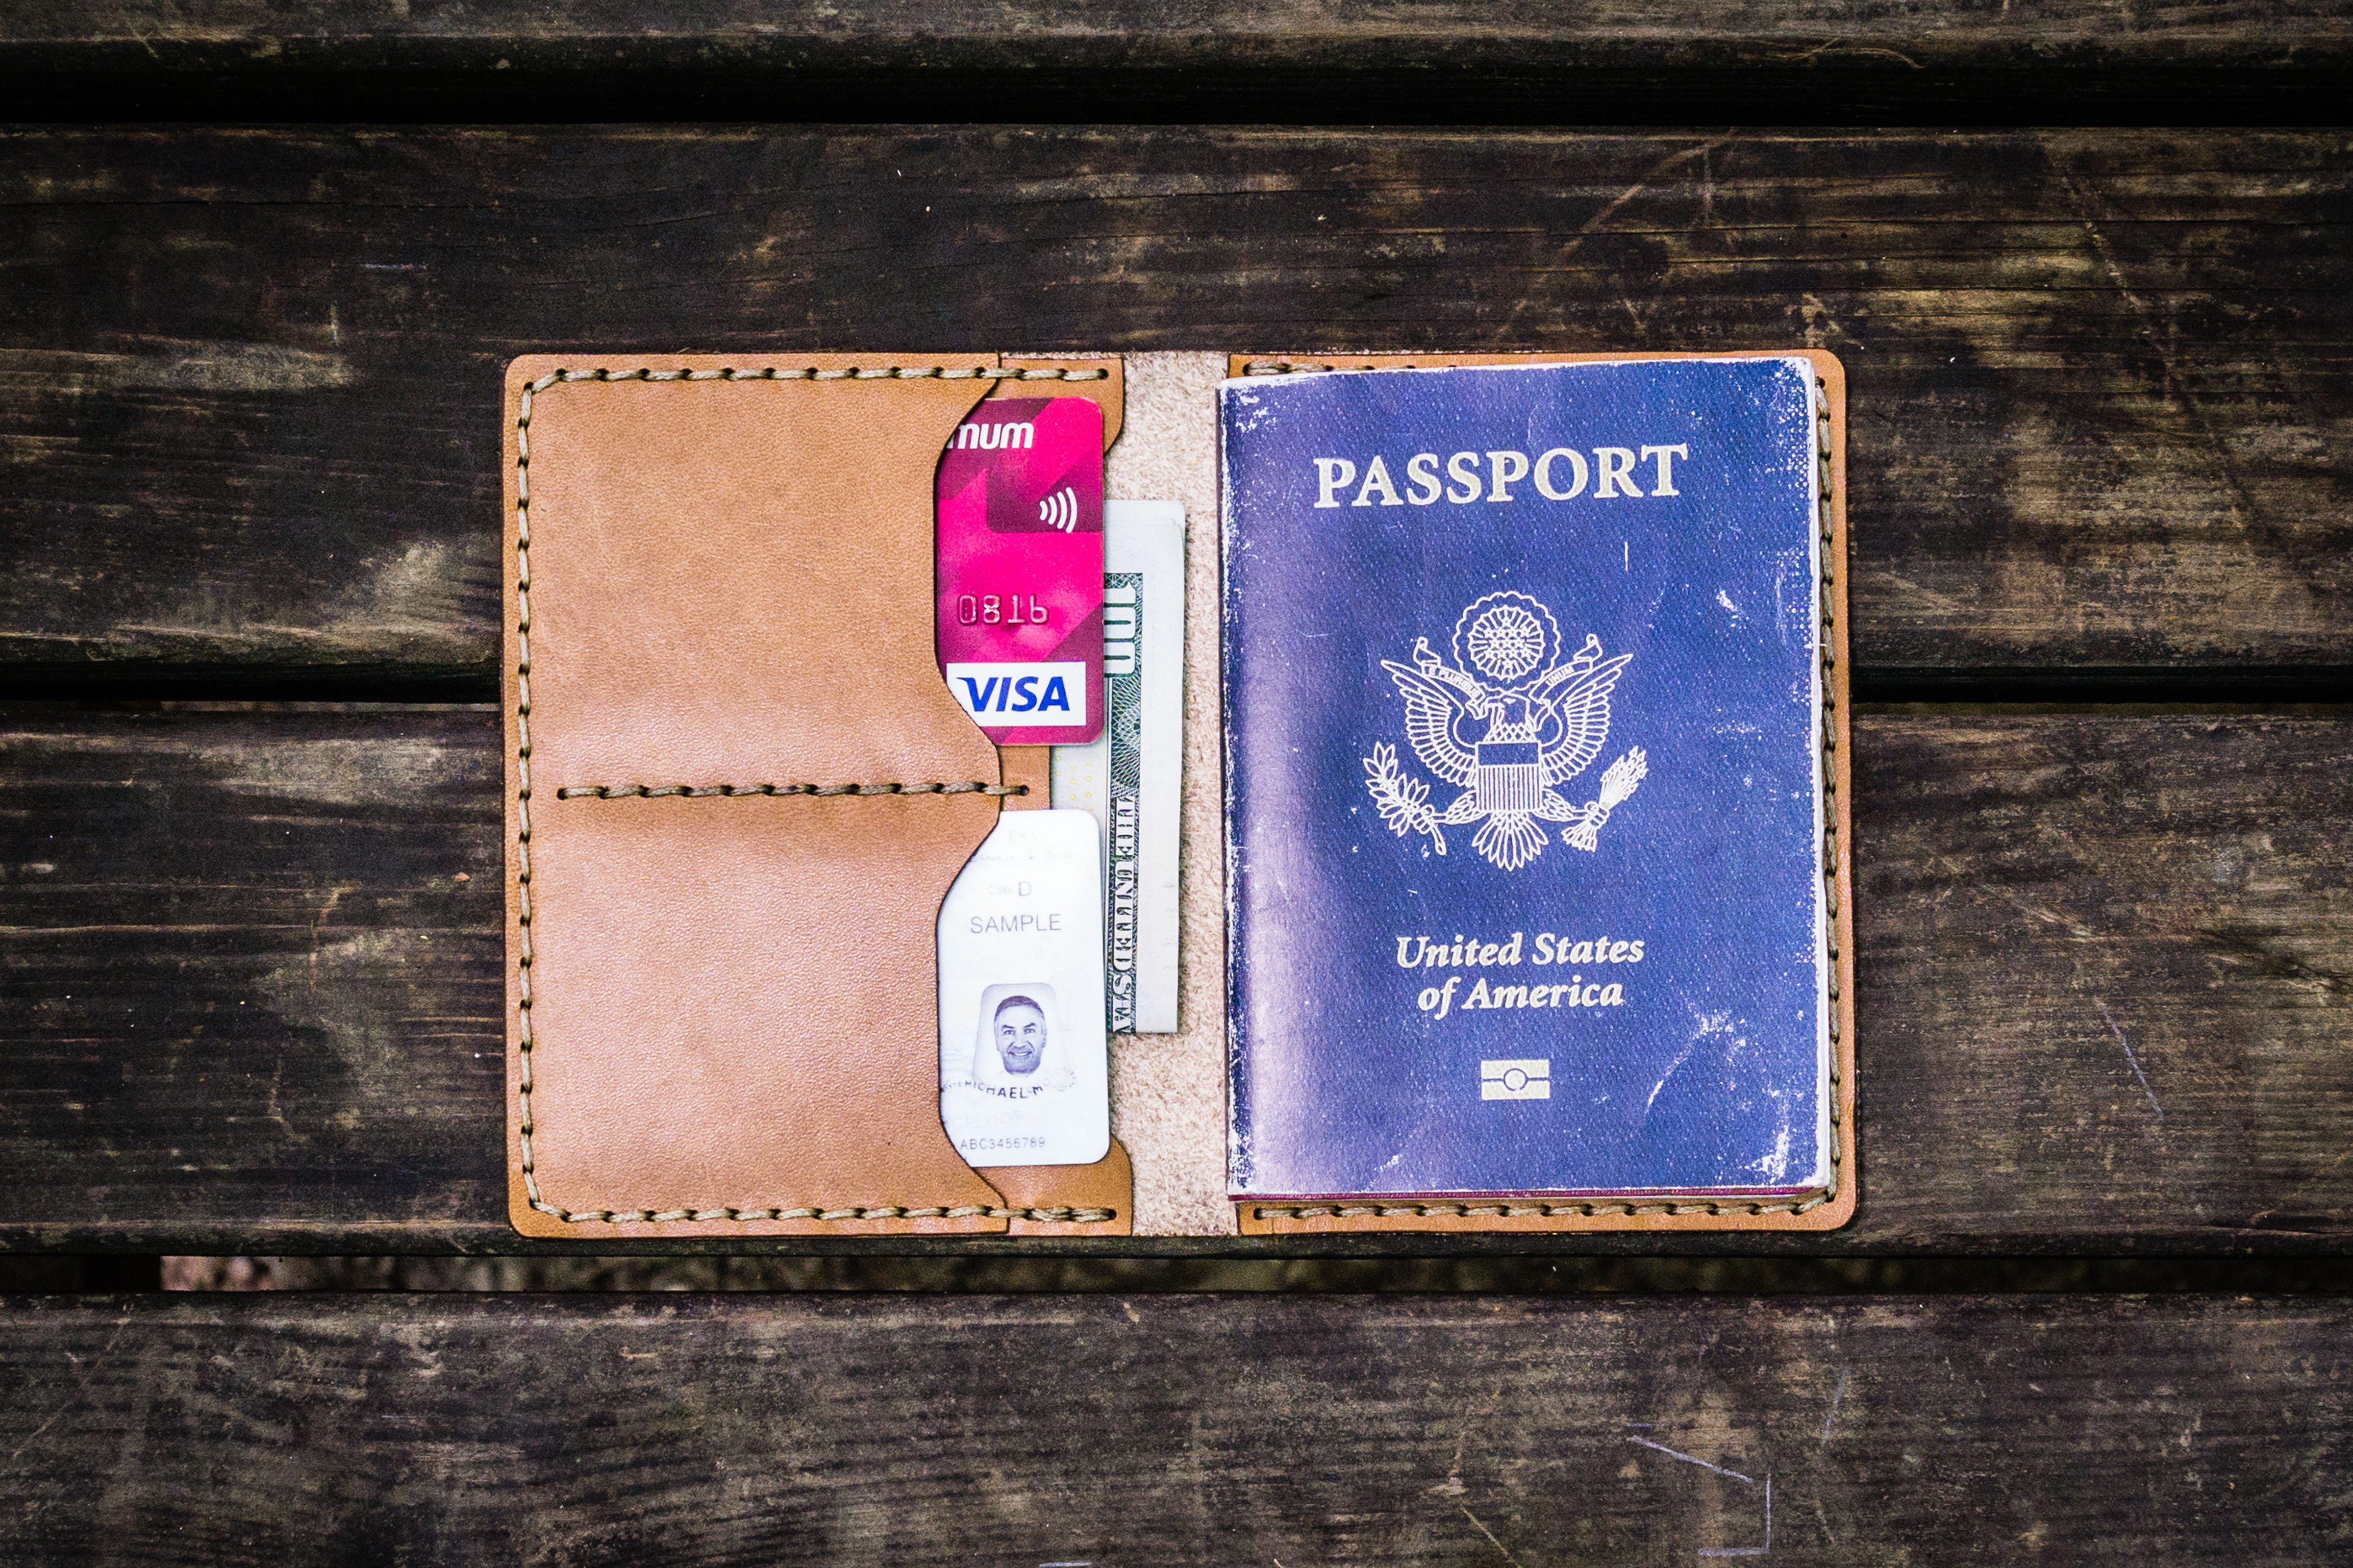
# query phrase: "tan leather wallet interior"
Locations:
[[738, 790]]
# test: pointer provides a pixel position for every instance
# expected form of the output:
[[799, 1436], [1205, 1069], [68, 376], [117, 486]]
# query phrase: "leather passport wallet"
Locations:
[[738, 790]]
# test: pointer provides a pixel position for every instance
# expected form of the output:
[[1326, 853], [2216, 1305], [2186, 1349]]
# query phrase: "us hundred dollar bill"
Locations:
[[1132, 777]]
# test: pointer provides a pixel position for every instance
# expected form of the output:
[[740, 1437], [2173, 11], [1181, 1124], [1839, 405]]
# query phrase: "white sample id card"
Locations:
[[1024, 1071]]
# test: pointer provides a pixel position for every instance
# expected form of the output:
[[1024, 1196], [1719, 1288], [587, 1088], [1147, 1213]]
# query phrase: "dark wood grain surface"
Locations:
[[1638, 61], [444, 1430], [248, 380], [249, 956], [252, 968]]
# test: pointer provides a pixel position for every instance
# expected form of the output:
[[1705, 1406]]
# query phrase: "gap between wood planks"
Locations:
[[1517, 1276]]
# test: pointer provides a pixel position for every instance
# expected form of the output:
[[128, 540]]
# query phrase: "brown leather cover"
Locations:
[[1826, 1210], [737, 792]]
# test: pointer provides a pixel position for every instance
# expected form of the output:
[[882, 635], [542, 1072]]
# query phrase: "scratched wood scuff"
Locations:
[[253, 963], [249, 378], [782, 1430]]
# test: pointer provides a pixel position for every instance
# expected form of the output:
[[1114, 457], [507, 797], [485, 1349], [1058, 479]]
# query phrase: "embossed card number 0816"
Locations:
[[1001, 610]]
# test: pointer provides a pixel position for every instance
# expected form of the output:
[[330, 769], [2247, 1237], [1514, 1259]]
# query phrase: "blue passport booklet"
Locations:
[[1528, 803]]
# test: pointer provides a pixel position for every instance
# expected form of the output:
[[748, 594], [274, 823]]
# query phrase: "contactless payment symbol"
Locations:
[[1506, 721], [1061, 510]]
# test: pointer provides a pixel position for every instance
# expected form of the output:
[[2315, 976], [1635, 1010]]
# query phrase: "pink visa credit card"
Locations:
[[1020, 569]]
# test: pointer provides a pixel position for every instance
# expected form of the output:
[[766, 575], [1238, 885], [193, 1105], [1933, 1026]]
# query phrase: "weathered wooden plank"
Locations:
[[252, 962], [2100, 383], [441, 1429], [252, 969], [1825, 61]]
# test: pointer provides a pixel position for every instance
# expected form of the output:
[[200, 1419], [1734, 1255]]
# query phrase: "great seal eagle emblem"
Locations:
[[1505, 723]]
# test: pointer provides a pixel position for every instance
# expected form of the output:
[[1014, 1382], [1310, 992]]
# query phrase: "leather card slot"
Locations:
[[732, 1015]]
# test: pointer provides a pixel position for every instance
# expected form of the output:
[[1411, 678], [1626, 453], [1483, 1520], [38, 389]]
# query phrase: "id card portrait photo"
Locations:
[[1024, 1071]]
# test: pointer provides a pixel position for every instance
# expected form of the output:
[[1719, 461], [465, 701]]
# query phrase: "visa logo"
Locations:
[[1521, 1078], [1000, 694]]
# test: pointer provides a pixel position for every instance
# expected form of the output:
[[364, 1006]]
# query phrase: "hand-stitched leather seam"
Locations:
[[608, 791], [812, 373], [1494, 1208], [1064, 1216], [1841, 1132], [729, 791]]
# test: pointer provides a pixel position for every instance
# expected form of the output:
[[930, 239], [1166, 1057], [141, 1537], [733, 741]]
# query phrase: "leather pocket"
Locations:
[[737, 792]]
